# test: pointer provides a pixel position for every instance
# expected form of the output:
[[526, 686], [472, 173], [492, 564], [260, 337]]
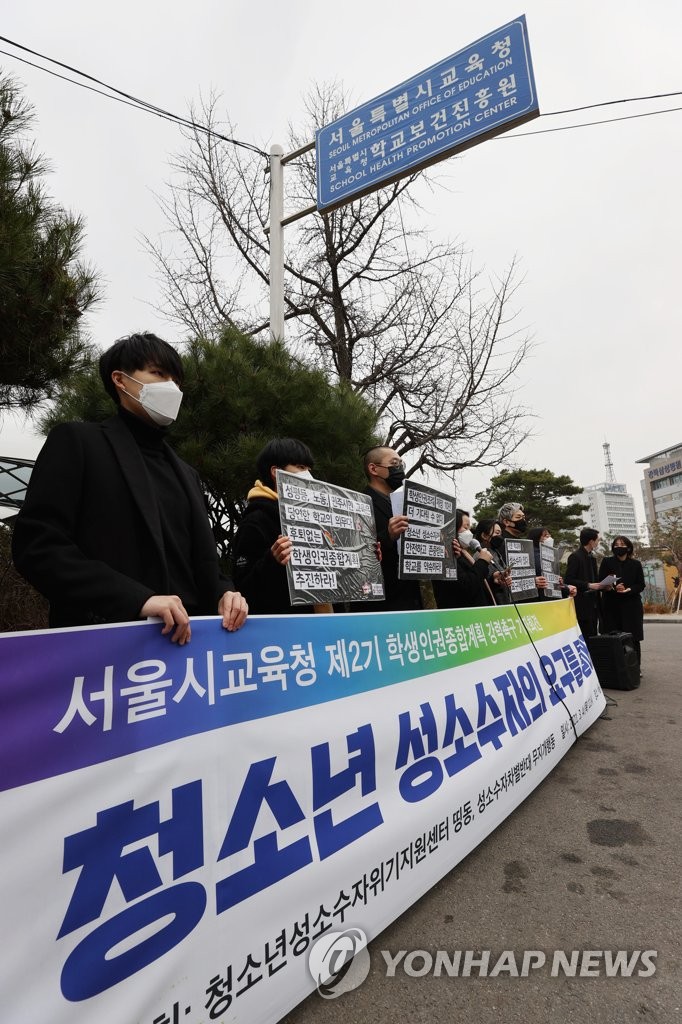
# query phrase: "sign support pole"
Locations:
[[276, 244], [275, 230]]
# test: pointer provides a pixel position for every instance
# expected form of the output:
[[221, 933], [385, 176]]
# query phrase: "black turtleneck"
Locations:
[[173, 505]]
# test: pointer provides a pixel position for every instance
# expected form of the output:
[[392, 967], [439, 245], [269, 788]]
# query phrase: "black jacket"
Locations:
[[401, 595], [468, 590], [89, 536], [624, 612], [257, 575], [581, 569]]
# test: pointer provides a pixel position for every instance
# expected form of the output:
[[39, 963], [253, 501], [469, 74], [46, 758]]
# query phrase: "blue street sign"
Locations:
[[466, 98]]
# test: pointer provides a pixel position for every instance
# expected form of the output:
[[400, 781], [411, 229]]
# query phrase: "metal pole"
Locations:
[[276, 244]]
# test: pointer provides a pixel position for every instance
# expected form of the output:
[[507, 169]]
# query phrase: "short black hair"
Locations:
[[627, 542], [134, 353], [484, 526], [371, 456], [281, 452], [587, 534]]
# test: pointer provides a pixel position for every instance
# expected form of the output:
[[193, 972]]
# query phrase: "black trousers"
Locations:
[[588, 624]]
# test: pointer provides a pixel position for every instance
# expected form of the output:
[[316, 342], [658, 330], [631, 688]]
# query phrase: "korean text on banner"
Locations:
[[180, 825]]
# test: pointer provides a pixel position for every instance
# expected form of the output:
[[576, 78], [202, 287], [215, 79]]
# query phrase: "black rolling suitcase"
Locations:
[[615, 659]]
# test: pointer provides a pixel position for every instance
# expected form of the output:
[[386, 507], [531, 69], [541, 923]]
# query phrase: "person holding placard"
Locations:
[[471, 589], [512, 519], [385, 471], [541, 535], [261, 551]]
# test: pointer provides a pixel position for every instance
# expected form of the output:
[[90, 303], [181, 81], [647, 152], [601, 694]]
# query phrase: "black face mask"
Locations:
[[396, 477], [620, 552], [497, 543], [521, 525]]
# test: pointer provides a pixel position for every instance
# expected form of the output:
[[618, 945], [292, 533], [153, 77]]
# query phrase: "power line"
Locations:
[[588, 124], [90, 88], [119, 95], [610, 103]]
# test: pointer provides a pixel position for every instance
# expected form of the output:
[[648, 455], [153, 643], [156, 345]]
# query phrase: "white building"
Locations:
[[611, 509], [662, 483]]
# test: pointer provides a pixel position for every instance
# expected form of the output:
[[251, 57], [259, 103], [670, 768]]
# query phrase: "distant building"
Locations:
[[611, 509], [662, 482]]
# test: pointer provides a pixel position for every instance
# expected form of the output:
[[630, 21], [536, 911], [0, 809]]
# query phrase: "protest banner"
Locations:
[[425, 549], [520, 558], [549, 568], [334, 537], [181, 824]]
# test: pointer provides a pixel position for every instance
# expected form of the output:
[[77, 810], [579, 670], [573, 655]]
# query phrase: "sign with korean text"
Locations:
[[181, 825], [334, 536], [549, 568], [425, 550], [484, 89], [520, 558], [665, 470]]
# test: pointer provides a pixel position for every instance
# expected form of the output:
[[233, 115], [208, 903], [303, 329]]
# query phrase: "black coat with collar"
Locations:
[[624, 612], [581, 570], [89, 535]]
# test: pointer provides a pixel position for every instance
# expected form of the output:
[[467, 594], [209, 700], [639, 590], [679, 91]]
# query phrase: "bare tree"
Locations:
[[369, 297]]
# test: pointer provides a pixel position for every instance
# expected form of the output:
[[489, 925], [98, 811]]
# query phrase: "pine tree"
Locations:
[[543, 496], [44, 289]]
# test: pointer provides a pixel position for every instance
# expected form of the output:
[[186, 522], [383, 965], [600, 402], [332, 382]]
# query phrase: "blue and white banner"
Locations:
[[468, 97], [181, 825]]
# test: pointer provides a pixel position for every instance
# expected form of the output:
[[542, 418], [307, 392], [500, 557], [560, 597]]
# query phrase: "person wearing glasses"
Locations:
[[385, 472]]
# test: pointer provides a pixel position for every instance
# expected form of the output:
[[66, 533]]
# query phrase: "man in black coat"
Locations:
[[385, 472], [581, 573], [114, 525]]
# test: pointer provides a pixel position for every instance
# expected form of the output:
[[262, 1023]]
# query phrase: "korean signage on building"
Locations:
[[666, 470], [486, 88]]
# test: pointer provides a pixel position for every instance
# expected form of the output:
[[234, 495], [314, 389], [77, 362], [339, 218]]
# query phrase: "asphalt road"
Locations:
[[590, 861]]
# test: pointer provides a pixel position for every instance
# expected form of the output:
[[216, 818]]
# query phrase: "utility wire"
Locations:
[[588, 124], [119, 95], [610, 103]]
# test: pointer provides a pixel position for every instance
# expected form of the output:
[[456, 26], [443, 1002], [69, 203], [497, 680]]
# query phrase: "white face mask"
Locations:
[[465, 538], [306, 474], [160, 399], [549, 541]]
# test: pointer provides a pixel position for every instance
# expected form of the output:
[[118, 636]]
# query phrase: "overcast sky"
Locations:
[[593, 214]]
